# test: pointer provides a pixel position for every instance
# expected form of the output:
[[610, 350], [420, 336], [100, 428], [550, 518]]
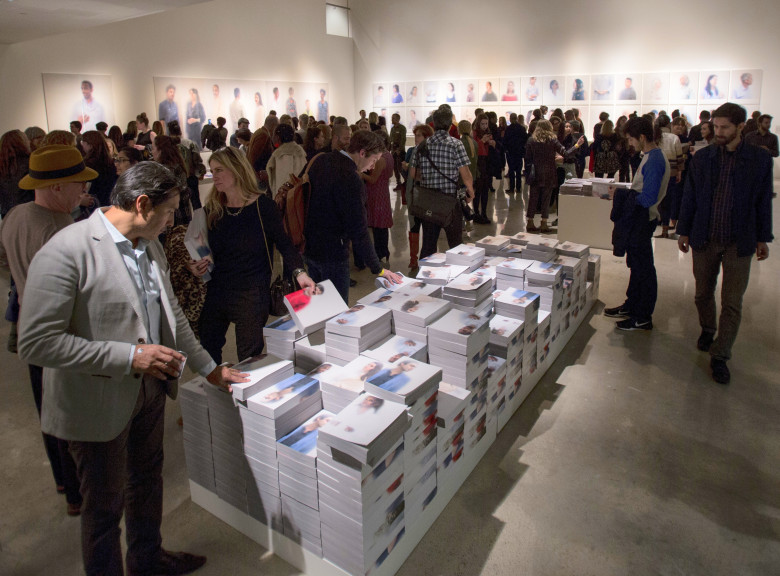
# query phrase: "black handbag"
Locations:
[[281, 286], [431, 205], [530, 176]]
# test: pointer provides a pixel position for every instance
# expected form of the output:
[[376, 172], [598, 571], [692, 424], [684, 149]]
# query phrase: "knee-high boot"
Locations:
[[414, 248]]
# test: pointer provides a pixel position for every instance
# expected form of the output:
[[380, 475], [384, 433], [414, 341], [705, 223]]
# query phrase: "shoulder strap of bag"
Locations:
[[424, 152], [265, 238]]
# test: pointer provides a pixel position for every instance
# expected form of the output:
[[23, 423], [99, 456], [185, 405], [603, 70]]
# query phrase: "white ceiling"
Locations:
[[30, 19]]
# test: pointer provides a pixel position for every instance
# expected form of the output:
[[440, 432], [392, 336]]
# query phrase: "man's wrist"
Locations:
[[297, 272]]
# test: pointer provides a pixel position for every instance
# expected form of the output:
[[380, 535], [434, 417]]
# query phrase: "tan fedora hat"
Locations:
[[56, 164]]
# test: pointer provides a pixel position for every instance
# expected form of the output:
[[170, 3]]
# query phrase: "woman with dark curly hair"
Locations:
[[14, 164], [96, 156]]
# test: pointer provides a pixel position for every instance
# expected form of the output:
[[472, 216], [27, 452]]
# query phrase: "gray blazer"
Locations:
[[81, 315]]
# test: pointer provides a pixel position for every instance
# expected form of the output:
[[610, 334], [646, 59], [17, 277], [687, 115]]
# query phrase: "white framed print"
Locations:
[[577, 89], [448, 92], [745, 87], [379, 94], [469, 94], [628, 87], [655, 88], [413, 93], [602, 88], [553, 90], [510, 89], [488, 88], [531, 90], [713, 86], [397, 93], [684, 86], [431, 92]]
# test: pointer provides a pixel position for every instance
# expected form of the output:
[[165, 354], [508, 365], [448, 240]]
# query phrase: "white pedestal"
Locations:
[[585, 220]]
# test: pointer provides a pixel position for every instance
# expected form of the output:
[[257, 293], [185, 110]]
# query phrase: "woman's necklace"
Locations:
[[229, 213]]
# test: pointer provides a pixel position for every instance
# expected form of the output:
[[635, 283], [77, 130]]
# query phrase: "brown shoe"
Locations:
[[530, 227], [545, 229], [174, 563]]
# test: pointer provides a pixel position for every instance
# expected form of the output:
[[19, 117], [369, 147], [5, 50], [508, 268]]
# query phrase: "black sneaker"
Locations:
[[634, 324], [705, 340], [617, 312], [720, 372]]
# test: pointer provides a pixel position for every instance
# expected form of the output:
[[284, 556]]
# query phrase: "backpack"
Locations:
[[292, 199]]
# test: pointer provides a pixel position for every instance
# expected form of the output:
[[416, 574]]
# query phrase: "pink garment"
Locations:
[[379, 212]]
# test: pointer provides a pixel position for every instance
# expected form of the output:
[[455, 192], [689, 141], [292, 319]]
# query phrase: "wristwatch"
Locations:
[[297, 272]]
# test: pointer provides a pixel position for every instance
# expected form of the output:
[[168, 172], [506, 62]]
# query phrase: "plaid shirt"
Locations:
[[449, 155], [723, 199]]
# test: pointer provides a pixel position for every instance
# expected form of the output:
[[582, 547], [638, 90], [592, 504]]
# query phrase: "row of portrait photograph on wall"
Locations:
[[684, 87], [89, 98]]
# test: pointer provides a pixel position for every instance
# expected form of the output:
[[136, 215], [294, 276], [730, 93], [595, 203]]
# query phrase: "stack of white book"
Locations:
[[470, 293], [342, 384], [506, 341], [310, 313], [262, 371], [466, 255], [297, 454], [576, 187], [414, 384], [572, 249], [594, 271], [511, 250], [544, 337], [435, 259], [496, 386], [601, 186], [488, 268], [451, 418], [516, 303], [231, 473], [542, 249], [267, 415], [310, 351], [476, 413], [574, 279], [523, 238], [356, 330], [511, 273], [413, 313], [280, 336], [457, 343], [440, 275], [493, 244], [360, 470], [544, 278], [381, 296], [197, 433], [395, 347]]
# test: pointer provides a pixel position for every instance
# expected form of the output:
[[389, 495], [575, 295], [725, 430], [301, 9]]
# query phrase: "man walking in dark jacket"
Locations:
[[515, 137], [726, 217]]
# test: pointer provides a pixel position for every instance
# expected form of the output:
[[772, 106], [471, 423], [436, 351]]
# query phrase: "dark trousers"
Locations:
[[481, 186], [431, 232], [398, 157], [736, 273], [514, 171], [539, 194], [642, 290], [124, 474], [336, 271], [669, 207], [247, 309], [381, 242], [625, 173], [634, 161], [605, 175], [62, 465]]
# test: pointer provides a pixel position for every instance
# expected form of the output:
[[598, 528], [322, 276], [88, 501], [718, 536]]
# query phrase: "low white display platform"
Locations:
[[312, 564], [585, 220]]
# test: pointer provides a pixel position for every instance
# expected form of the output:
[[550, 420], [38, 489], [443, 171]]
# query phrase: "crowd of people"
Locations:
[[107, 309]]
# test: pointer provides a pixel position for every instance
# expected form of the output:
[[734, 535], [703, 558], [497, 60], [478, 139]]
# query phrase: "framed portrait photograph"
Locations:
[[379, 94], [713, 86], [745, 86], [628, 87], [602, 88], [414, 117], [431, 92], [553, 91], [577, 89], [88, 98], [469, 95], [448, 92], [531, 90], [683, 86], [510, 89], [655, 88], [488, 90], [413, 93], [396, 94]]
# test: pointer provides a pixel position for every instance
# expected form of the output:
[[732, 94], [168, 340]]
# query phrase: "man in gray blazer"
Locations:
[[100, 316]]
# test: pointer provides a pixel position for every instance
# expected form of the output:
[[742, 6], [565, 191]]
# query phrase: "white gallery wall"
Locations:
[[251, 39]]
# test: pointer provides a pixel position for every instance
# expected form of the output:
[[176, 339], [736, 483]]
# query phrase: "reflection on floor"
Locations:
[[626, 459]]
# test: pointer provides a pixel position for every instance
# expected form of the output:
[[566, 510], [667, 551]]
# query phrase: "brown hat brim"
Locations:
[[30, 182]]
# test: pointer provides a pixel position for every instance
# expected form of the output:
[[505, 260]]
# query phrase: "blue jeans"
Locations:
[[336, 271]]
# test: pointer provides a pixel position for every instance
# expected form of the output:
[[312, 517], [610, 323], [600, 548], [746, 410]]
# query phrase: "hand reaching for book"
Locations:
[[391, 277], [305, 282], [198, 267]]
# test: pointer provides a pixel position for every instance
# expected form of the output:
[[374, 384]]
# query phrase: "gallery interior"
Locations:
[[626, 458]]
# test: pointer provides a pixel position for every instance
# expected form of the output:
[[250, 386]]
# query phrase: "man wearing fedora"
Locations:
[[57, 174], [99, 314]]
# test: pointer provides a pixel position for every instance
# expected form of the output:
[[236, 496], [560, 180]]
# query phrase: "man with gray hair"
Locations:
[[100, 316], [443, 160]]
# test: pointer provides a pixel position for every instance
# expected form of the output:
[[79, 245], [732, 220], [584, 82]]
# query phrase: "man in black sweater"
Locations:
[[336, 213]]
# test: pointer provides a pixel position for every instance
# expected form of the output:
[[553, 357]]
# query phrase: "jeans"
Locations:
[[336, 271], [124, 474], [642, 291], [481, 187], [247, 309], [431, 232], [707, 263]]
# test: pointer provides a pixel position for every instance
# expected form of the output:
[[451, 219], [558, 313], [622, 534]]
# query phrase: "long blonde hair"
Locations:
[[236, 163], [543, 132]]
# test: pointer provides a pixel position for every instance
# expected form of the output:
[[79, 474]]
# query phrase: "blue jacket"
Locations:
[[751, 215]]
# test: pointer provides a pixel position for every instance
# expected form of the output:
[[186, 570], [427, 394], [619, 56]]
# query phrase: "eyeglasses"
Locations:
[[120, 159]]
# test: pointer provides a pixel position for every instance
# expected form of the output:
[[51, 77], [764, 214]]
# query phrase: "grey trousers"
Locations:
[[707, 263]]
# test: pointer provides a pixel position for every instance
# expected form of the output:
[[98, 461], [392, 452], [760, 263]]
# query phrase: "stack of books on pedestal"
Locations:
[[231, 473], [488, 268], [574, 187], [451, 418], [342, 384], [594, 271], [496, 386], [544, 278], [574, 278], [297, 455], [511, 273], [601, 186], [395, 347], [267, 415], [280, 336], [440, 275], [516, 303], [436, 259], [493, 244], [573, 249], [311, 312], [356, 330], [542, 249], [470, 293], [412, 314], [414, 384], [466, 255], [197, 433], [506, 341], [310, 351], [262, 371], [523, 238], [360, 479], [457, 343], [544, 338]]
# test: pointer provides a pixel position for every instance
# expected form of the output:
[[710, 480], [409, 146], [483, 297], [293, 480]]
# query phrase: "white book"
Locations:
[[418, 309], [263, 371], [543, 244], [437, 259], [513, 267], [196, 240], [396, 347], [358, 320], [311, 312], [573, 249], [351, 377], [284, 396], [465, 253], [301, 443], [524, 238], [440, 274], [283, 328], [404, 381], [385, 284], [469, 284]]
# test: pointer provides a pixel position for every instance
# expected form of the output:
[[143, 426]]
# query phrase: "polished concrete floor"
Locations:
[[626, 459]]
